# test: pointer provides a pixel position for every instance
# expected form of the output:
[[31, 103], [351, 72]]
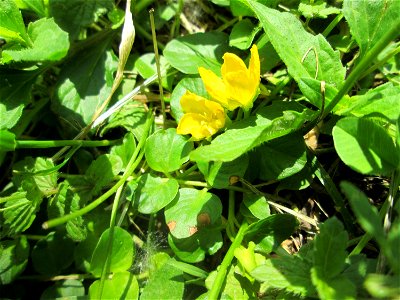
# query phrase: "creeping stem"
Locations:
[[223, 268], [133, 163]]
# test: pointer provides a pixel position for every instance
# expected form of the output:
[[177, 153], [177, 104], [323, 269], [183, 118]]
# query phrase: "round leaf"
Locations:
[[188, 53], [187, 250], [13, 258], [166, 283], [166, 150], [192, 210], [122, 253], [69, 288], [125, 150], [365, 146], [218, 173], [270, 232], [257, 205], [52, 254], [282, 157], [154, 193], [122, 285]]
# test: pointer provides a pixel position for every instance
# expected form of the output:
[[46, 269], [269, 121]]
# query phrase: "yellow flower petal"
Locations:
[[232, 63], [202, 119], [254, 65], [238, 88], [215, 86], [238, 85]]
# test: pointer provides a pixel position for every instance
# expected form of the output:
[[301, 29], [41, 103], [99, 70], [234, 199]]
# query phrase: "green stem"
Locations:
[[223, 268], [362, 65], [188, 171], [160, 87], [231, 211], [133, 163], [140, 5], [381, 62], [193, 183], [62, 143], [332, 190], [332, 25], [107, 263], [367, 237]]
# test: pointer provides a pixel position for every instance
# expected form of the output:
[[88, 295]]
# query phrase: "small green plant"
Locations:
[[264, 165]]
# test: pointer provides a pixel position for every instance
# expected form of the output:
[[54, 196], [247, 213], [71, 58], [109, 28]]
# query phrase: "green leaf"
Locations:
[[311, 89], [132, 117], [333, 288], [67, 201], [14, 256], [391, 251], [68, 288], [19, 211], [270, 232], [188, 53], [154, 193], [293, 42], [125, 150], [191, 211], [74, 15], [188, 249], [235, 286], [12, 27], [381, 101], [146, 66], [383, 286], [38, 6], [84, 83], [289, 273], [329, 262], [357, 268], [194, 248], [167, 151], [218, 173], [7, 141], [370, 20], [192, 84], [52, 254], [330, 249], [282, 157], [242, 34], [96, 221], [165, 283], [122, 285], [271, 122], [366, 214], [15, 92], [365, 146], [302, 179], [240, 8], [102, 171], [121, 254], [316, 9], [29, 172], [42, 48], [257, 205]]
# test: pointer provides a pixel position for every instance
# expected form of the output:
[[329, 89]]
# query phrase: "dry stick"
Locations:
[[153, 32], [276, 205]]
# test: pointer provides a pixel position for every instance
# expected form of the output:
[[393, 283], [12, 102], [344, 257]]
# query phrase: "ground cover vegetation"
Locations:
[[232, 149]]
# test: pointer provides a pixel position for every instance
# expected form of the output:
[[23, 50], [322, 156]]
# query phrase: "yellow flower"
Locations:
[[202, 117], [239, 85]]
